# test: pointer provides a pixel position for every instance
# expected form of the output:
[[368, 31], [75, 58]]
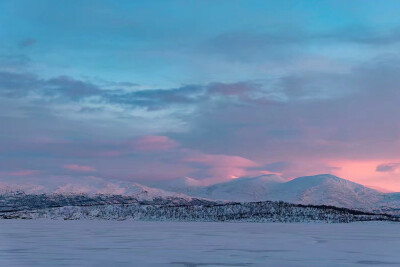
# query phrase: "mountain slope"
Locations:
[[242, 189], [321, 189], [95, 186], [328, 190], [96, 192]]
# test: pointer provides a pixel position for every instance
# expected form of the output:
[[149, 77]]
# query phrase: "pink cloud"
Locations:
[[154, 143], [224, 167], [80, 168], [23, 173]]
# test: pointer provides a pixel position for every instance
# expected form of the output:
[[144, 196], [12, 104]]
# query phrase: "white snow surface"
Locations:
[[130, 243]]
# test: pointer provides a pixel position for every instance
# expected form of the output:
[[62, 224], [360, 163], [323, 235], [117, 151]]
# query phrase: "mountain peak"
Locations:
[[320, 178], [324, 176]]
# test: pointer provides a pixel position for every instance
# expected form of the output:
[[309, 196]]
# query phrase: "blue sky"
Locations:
[[207, 89], [170, 43]]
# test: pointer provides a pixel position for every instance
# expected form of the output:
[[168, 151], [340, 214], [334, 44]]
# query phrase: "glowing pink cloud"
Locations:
[[224, 167], [80, 168]]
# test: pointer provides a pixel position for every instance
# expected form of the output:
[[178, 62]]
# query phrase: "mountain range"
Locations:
[[321, 189], [324, 189]]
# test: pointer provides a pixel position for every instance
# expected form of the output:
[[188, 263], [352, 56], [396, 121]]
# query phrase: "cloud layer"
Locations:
[[132, 92]]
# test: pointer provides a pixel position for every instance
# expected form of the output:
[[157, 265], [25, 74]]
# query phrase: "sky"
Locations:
[[214, 90]]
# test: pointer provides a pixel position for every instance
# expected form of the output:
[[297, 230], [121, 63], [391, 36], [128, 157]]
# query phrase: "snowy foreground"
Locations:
[[132, 243]]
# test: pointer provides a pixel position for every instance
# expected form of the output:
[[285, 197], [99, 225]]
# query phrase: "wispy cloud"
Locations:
[[79, 168], [388, 167], [27, 42], [22, 173]]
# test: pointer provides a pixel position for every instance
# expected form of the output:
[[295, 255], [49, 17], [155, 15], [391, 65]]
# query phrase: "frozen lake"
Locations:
[[130, 243]]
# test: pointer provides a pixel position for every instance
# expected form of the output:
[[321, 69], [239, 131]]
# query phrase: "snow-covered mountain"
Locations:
[[95, 186], [321, 189], [101, 199], [242, 189], [139, 191], [91, 192]]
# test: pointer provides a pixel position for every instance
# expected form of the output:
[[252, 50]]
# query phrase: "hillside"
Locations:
[[321, 189]]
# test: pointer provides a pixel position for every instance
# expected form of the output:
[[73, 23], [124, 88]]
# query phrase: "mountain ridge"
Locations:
[[322, 189]]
